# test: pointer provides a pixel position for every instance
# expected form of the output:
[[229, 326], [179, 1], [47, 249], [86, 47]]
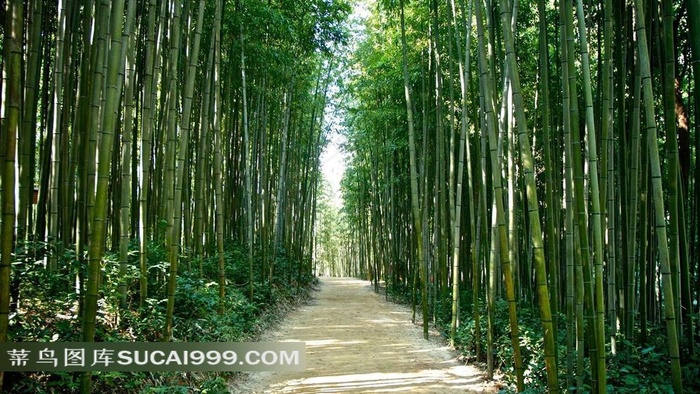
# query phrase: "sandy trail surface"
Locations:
[[357, 342]]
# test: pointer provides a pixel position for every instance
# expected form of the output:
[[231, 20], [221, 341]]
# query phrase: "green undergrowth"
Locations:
[[48, 312], [640, 369], [632, 369]]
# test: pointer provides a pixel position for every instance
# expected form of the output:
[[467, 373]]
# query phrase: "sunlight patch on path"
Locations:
[[357, 342], [422, 381]]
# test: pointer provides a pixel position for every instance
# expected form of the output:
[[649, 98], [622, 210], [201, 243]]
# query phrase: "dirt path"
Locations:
[[357, 342]]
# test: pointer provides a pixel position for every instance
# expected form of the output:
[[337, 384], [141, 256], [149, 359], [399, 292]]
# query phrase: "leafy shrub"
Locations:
[[634, 369], [49, 304]]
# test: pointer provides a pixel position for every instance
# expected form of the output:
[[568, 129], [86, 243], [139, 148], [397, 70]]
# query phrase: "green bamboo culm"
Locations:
[[12, 62], [583, 251], [528, 168], [596, 211], [115, 81], [500, 234], [658, 199], [415, 204], [169, 192]]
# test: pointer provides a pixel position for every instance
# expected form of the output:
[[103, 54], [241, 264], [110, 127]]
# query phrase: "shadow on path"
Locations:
[[357, 342]]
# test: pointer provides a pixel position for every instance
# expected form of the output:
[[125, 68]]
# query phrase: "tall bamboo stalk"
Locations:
[[417, 219], [669, 297], [12, 99], [115, 67], [501, 235]]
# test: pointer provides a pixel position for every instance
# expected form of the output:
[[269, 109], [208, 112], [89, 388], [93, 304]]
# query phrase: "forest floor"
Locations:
[[357, 342]]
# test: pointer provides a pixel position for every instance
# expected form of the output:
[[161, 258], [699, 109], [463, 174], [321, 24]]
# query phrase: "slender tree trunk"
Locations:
[[125, 208], [281, 180], [527, 162], [596, 212], [216, 129], [463, 145], [250, 236], [12, 106], [657, 198], [669, 115], [115, 66], [501, 234], [172, 188], [415, 203], [632, 207], [550, 171], [581, 217], [27, 139]]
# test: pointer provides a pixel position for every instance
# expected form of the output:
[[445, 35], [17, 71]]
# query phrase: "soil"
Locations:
[[357, 342]]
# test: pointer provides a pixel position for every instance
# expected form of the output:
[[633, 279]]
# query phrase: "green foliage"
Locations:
[[196, 318], [234, 256], [531, 342], [401, 293], [645, 368], [634, 369], [208, 383], [46, 319], [145, 323]]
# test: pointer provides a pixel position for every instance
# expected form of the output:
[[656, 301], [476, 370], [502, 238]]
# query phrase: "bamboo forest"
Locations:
[[522, 178]]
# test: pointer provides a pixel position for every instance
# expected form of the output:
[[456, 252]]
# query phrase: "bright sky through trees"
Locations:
[[333, 165], [333, 158]]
